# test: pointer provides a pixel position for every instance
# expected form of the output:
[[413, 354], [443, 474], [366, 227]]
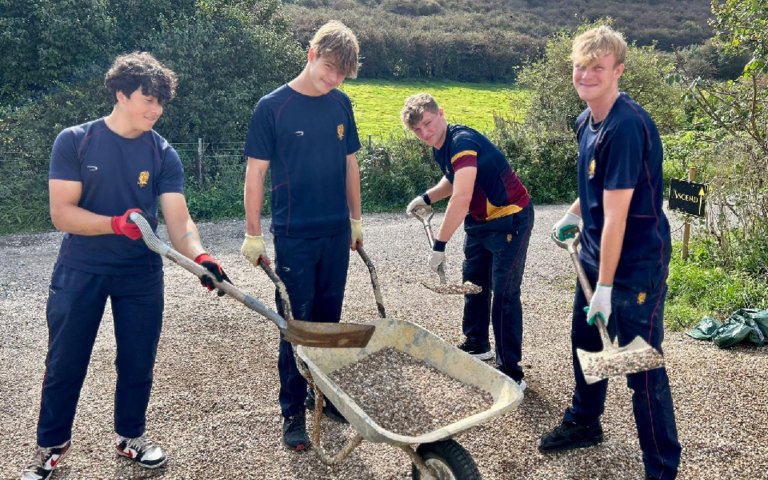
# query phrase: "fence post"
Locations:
[[199, 162], [687, 224]]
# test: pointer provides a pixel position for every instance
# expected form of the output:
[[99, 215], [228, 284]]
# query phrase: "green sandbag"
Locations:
[[705, 330], [739, 327]]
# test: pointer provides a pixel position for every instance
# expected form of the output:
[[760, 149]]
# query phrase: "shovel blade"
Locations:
[[637, 356], [466, 288], [327, 334]]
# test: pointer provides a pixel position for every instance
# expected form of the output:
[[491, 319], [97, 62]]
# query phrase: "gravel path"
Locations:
[[214, 404]]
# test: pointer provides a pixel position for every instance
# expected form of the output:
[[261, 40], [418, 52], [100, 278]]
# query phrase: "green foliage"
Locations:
[[486, 40], [43, 45], [392, 174], [731, 118], [227, 54], [544, 159], [699, 287]]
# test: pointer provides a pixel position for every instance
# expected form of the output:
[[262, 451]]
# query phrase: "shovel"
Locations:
[[611, 361], [425, 214], [311, 334]]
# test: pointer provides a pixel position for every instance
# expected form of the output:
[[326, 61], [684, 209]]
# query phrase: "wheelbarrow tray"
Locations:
[[425, 346]]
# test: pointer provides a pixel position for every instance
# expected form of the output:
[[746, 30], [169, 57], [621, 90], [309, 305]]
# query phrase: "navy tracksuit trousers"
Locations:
[[76, 303], [638, 310], [494, 259], [314, 271]]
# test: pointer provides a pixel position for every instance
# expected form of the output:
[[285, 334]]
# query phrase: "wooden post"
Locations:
[[687, 225], [199, 161]]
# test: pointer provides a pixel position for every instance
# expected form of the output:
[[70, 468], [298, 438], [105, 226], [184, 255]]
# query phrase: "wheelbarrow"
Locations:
[[437, 455]]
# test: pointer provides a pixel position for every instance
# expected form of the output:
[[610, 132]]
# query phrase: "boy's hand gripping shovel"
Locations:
[[425, 214], [611, 361], [312, 334]]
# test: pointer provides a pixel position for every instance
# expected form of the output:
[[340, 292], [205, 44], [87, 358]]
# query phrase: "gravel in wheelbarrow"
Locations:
[[407, 396]]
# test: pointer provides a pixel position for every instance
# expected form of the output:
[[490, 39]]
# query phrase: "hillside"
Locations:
[[436, 38]]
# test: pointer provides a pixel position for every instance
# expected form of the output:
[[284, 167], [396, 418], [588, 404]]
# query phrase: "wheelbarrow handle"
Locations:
[[165, 250], [570, 246], [283, 292], [425, 214]]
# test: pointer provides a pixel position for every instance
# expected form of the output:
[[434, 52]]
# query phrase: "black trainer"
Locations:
[[329, 410], [570, 435], [295, 432], [479, 350]]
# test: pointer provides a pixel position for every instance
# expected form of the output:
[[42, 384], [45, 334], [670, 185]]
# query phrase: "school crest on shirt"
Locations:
[[340, 131], [641, 298], [592, 168], [143, 178]]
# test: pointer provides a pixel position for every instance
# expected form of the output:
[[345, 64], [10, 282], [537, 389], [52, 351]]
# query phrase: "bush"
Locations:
[[392, 174], [699, 287]]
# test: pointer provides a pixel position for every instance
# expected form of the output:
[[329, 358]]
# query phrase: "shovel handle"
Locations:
[[584, 282], [426, 222], [374, 281], [165, 250]]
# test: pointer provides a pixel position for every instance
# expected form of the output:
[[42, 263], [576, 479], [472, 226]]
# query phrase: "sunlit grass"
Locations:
[[377, 103]]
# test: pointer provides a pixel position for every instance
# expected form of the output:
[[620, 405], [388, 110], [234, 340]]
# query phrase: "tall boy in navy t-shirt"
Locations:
[[305, 134], [625, 251]]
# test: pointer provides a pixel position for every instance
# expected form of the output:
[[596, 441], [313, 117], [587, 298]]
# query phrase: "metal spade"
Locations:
[[425, 214], [611, 361]]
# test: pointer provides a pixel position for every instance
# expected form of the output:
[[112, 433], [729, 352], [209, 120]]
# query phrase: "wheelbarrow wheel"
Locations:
[[448, 460]]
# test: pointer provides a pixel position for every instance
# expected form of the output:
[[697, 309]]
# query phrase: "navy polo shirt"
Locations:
[[116, 174], [623, 151], [306, 141]]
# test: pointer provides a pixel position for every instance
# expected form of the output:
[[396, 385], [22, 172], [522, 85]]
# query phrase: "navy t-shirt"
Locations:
[[306, 141], [498, 191], [623, 151], [116, 174]]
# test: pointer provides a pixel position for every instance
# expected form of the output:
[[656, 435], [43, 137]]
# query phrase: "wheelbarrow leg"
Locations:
[[317, 447]]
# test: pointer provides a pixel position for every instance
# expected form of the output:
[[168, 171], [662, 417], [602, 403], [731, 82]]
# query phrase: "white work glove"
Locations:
[[437, 257], [357, 232], [600, 306], [566, 227], [253, 248], [417, 203]]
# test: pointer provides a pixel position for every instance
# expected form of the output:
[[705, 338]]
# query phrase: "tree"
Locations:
[[734, 117]]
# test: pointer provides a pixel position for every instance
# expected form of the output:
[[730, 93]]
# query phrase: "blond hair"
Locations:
[[415, 106], [337, 41], [597, 43]]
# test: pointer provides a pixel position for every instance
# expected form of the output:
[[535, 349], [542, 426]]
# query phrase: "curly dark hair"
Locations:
[[141, 69]]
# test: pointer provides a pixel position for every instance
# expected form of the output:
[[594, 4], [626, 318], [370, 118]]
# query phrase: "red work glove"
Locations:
[[214, 267], [122, 225]]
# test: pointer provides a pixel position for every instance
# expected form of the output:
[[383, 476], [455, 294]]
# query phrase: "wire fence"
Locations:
[[214, 180]]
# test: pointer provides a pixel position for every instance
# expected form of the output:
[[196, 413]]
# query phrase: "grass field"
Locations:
[[378, 103]]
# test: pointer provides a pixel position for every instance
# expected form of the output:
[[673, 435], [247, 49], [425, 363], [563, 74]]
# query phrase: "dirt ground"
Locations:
[[214, 405]]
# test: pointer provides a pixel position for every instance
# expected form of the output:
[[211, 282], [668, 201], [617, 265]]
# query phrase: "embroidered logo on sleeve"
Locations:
[[340, 131], [143, 179]]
